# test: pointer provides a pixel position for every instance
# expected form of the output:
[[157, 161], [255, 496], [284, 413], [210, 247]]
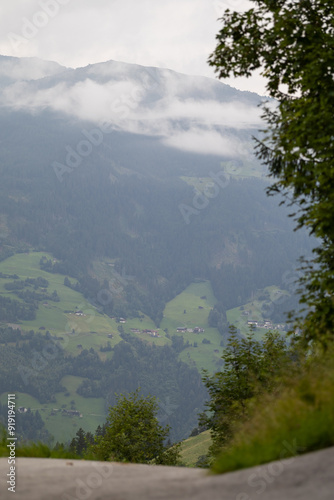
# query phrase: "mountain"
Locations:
[[126, 188], [147, 167], [14, 69], [189, 122], [192, 114]]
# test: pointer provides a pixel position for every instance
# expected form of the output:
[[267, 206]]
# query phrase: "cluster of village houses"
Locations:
[[268, 325], [152, 333], [184, 329], [65, 413], [181, 329]]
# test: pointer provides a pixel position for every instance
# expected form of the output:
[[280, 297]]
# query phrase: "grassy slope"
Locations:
[[190, 300], [298, 420], [92, 331], [53, 317], [63, 428], [236, 317], [195, 447]]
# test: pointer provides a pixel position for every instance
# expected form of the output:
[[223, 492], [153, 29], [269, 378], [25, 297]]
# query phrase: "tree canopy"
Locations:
[[292, 41], [133, 433], [251, 368]]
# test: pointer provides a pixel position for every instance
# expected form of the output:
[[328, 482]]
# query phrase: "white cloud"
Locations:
[[124, 96], [184, 112], [205, 142], [27, 68], [206, 112], [177, 34]]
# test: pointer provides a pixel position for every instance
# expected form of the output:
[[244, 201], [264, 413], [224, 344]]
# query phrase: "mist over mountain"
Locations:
[[194, 114], [14, 69], [145, 166], [143, 178]]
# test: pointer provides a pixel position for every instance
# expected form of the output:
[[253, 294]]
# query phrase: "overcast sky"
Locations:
[[175, 34]]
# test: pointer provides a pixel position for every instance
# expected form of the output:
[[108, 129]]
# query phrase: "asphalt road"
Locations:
[[307, 477]]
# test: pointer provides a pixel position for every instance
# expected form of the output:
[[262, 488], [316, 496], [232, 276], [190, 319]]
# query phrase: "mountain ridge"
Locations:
[[148, 193], [146, 100]]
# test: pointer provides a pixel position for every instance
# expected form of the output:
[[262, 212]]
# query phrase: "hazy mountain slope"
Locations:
[[149, 190], [150, 173], [14, 69], [189, 113]]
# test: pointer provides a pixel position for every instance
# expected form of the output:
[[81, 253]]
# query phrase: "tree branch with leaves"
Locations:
[[292, 42], [133, 433]]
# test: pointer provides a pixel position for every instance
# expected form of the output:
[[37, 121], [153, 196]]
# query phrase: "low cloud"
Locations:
[[205, 142], [31, 68], [177, 34], [184, 111]]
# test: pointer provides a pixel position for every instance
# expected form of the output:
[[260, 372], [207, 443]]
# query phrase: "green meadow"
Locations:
[[195, 447], [189, 309], [253, 311], [54, 316], [91, 329], [63, 427]]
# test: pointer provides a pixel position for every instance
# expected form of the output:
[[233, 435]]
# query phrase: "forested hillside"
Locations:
[[165, 215], [130, 218], [241, 241]]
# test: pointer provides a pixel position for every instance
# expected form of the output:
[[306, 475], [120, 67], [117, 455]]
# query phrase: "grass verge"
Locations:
[[298, 420], [195, 447]]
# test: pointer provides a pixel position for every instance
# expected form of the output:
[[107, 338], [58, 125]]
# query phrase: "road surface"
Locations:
[[307, 477]]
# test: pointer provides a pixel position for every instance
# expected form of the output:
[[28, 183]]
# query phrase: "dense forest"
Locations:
[[31, 292], [163, 215], [241, 242], [156, 370], [159, 217], [30, 426]]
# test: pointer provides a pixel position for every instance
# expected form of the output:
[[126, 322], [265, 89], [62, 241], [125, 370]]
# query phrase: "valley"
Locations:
[[130, 238], [74, 324]]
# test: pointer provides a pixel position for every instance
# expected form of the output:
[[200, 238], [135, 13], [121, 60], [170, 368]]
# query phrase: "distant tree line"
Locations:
[[137, 222], [41, 365], [31, 291]]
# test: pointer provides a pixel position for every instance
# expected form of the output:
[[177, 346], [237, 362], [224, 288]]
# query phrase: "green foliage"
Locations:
[[33, 372], [293, 43], [35, 450], [299, 419], [251, 369], [31, 292], [217, 318], [133, 433], [195, 448], [81, 443], [167, 257], [158, 369], [13, 310]]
